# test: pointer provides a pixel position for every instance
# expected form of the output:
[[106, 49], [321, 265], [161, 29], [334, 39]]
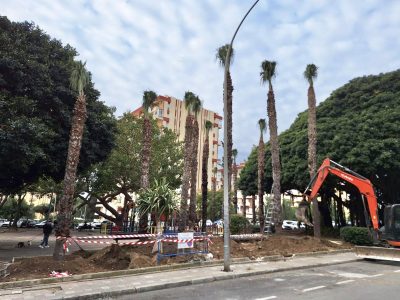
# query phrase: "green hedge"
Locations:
[[356, 235], [239, 224]]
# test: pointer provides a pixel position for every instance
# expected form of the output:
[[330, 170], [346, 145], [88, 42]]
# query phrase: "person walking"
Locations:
[[47, 229]]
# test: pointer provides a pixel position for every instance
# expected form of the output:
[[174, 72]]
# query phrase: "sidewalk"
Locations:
[[130, 284]]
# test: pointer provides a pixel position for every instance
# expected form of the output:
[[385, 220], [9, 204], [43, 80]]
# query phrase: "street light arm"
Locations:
[[227, 253]]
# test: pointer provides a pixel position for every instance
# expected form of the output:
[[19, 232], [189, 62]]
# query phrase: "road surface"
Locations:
[[357, 280]]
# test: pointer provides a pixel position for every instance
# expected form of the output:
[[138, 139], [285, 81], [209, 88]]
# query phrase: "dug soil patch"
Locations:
[[117, 257]]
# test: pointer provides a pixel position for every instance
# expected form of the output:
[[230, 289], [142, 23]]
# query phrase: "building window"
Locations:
[[160, 112]]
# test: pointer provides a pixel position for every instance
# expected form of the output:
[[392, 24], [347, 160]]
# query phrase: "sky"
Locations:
[[169, 46]]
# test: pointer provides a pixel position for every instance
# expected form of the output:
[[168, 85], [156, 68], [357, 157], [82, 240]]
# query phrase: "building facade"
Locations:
[[171, 113]]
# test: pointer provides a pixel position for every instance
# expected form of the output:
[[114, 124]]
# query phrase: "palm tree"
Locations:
[[253, 209], [189, 98], [149, 97], [204, 176], [267, 74], [260, 183], [310, 74], [196, 108], [213, 190], [221, 57], [79, 80], [234, 174]]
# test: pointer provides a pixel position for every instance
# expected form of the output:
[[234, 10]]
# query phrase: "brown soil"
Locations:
[[132, 257]]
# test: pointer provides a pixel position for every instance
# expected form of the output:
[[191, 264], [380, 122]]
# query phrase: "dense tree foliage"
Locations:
[[358, 126], [120, 174], [36, 105]]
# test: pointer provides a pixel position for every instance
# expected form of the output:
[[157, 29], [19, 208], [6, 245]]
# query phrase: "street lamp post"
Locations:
[[227, 254]]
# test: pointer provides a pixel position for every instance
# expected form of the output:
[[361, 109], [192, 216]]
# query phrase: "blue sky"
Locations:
[[169, 47]]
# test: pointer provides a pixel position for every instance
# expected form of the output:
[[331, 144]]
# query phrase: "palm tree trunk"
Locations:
[[214, 190], [244, 203], [260, 183], [183, 213], [276, 165], [145, 168], [312, 154], [204, 184], [235, 199], [253, 208], [193, 174], [229, 142], [65, 205]]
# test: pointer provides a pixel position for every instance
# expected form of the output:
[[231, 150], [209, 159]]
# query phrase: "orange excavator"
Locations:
[[387, 236]]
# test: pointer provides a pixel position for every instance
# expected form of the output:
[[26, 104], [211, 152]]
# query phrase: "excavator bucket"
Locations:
[[379, 253], [301, 213]]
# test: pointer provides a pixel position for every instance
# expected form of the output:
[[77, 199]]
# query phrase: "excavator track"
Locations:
[[378, 253]]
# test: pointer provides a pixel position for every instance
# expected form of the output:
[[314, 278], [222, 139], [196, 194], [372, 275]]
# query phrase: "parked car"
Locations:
[[289, 225], [4, 223], [40, 224], [96, 224], [84, 226], [219, 223]]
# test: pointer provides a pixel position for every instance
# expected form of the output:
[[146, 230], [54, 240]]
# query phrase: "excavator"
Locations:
[[386, 239]]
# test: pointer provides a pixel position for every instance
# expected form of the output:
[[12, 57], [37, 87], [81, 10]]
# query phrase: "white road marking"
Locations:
[[376, 275], [279, 279], [397, 271], [314, 288], [349, 275], [344, 282], [266, 298]]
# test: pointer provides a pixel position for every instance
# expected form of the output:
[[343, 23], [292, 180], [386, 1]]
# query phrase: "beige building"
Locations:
[[171, 113]]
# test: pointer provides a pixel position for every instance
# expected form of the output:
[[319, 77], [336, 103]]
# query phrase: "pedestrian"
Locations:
[[47, 229]]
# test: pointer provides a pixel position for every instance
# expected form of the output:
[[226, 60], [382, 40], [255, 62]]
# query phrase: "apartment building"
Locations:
[[171, 113]]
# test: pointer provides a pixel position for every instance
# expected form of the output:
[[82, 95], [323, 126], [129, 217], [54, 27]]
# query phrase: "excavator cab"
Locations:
[[391, 232]]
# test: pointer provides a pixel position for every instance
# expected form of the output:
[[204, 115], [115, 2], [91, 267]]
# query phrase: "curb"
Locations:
[[156, 269], [226, 276]]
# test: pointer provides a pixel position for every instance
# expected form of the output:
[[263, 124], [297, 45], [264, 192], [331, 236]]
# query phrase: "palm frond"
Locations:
[[234, 153], [267, 71], [149, 97], [311, 73], [196, 107], [262, 125], [79, 77], [220, 56], [189, 100], [208, 125]]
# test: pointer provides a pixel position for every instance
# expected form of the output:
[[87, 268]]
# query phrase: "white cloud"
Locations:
[[169, 46]]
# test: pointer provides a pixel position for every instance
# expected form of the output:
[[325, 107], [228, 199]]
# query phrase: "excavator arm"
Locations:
[[361, 183]]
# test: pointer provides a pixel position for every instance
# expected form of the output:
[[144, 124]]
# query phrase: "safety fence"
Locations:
[[167, 245]]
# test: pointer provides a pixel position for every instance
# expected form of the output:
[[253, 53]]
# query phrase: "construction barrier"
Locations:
[[185, 243], [182, 243]]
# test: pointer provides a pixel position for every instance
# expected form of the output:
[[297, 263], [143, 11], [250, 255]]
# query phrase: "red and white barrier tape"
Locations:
[[96, 237], [109, 243]]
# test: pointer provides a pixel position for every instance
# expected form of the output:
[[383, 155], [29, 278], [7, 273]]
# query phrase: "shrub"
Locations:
[[255, 229], [330, 232], [239, 224], [356, 235]]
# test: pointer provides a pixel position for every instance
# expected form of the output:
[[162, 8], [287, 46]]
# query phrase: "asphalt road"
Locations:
[[358, 280]]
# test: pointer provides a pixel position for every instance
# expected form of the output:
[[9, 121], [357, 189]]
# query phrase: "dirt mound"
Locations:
[[112, 258], [41, 267], [275, 245], [117, 257]]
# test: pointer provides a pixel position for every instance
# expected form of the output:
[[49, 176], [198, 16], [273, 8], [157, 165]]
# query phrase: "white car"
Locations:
[[96, 224], [290, 225], [4, 223]]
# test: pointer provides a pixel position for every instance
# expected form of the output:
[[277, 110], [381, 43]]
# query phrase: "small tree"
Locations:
[[159, 199]]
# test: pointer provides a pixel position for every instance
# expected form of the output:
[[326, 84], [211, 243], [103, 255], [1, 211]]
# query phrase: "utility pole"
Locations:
[[227, 250]]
